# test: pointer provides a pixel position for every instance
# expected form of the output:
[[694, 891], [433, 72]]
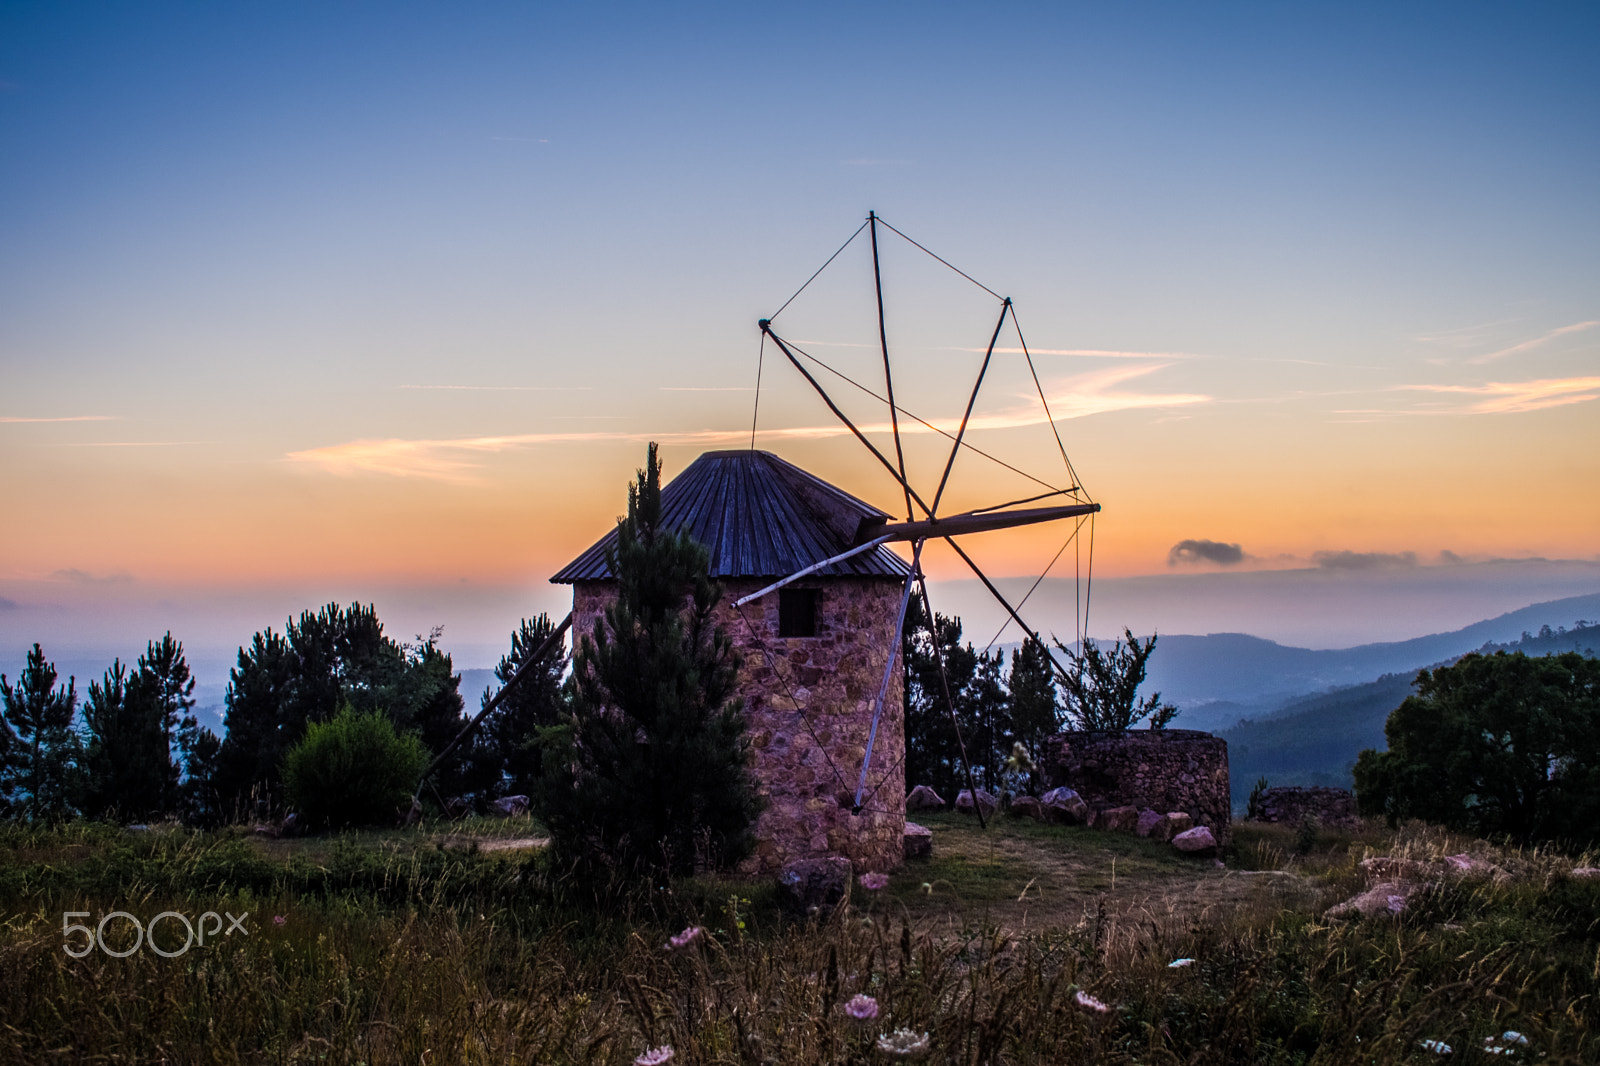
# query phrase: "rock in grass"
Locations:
[[808, 887], [1197, 842], [1172, 823], [1064, 806], [1117, 819], [918, 841], [923, 798], [1586, 871], [1148, 820], [1027, 807], [1384, 899], [510, 806], [964, 804]]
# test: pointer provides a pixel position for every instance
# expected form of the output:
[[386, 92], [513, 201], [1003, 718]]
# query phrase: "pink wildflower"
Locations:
[[873, 882], [1088, 1002], [278, 919], [683, 940], [862, 1008], [655, 1056]]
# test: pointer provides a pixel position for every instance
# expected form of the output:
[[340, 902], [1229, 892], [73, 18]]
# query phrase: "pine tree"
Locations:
[[139, 734], [1031, 683], [42, 778], [1101, 687], [510, 734], [650, 774]]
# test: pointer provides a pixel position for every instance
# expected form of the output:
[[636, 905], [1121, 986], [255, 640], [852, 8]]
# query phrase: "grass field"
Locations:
[[457, 944]]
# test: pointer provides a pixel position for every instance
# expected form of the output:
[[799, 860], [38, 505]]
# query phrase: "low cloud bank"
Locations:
[[1349, 560], [1205, 551]]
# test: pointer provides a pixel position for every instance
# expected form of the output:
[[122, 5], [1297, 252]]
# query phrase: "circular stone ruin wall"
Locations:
[[1161, 770]]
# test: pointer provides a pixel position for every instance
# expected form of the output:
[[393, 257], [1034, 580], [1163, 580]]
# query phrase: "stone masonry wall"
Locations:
[[1163, 770], [807, 766], [1288, 804]]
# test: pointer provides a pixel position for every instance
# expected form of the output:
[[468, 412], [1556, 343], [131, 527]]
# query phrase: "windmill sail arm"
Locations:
[[956, 525]]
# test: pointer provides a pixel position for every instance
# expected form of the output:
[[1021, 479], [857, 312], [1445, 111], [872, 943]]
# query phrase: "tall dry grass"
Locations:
[[392, 951]]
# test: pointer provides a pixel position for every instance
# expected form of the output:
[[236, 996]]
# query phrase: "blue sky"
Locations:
[[353, 297]]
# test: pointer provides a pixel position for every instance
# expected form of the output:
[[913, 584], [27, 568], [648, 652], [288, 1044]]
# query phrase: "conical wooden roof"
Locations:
[[760, 517]]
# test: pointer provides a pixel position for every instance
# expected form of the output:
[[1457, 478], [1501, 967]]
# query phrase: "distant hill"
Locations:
[[1220, 678], [1315, 740]]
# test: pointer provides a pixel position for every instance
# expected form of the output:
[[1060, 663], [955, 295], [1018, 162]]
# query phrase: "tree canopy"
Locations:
[[1499, 745]]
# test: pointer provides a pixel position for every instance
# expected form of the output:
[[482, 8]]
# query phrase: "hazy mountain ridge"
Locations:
[[1315, 740], [1220, 678]]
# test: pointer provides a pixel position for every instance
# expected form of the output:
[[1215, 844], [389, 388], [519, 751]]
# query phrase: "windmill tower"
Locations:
[[813, 653]]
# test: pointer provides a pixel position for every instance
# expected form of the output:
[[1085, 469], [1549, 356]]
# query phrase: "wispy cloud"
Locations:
[[457, 459], [1098, 353], [503, 388], [1513, 397], [132, 443], [1528, 345], [84, 577], [63, 418]]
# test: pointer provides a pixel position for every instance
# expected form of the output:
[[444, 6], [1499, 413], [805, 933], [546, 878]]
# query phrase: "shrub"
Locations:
[[352, 770]]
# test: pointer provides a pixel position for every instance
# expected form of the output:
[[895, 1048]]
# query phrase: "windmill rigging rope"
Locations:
[[1054, 490], [1037, 582], [825, 266], [755, 412], [946, 262]]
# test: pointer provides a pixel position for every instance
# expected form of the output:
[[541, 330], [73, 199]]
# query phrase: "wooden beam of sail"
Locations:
[[956, 525]]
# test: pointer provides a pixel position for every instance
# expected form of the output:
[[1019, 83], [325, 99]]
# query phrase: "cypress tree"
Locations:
[[650, 771]]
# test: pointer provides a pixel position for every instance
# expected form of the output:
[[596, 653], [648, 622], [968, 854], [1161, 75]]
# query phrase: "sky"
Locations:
[[305, 302]]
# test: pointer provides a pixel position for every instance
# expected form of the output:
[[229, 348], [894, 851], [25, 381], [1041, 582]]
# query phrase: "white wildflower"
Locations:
[[904, 1044]]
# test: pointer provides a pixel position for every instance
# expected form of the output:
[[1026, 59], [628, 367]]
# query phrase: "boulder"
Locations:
[[923, 798], [509, 806], [1384, 899], [964, 803], [1117, 819], [1148, 820], [1171, 824], [1465, 865], [1027, 807], [1065, 806], [809, 887], [919, 841], [1197, 841], [457, 808]]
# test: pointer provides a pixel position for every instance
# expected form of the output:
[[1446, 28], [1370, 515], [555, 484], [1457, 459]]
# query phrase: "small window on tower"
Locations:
[[797, 612]]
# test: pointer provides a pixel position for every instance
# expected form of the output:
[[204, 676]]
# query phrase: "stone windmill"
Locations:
[[817, 600]]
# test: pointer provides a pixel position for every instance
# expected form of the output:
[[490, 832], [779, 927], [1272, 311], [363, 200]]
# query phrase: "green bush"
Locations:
[[352, 770]]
